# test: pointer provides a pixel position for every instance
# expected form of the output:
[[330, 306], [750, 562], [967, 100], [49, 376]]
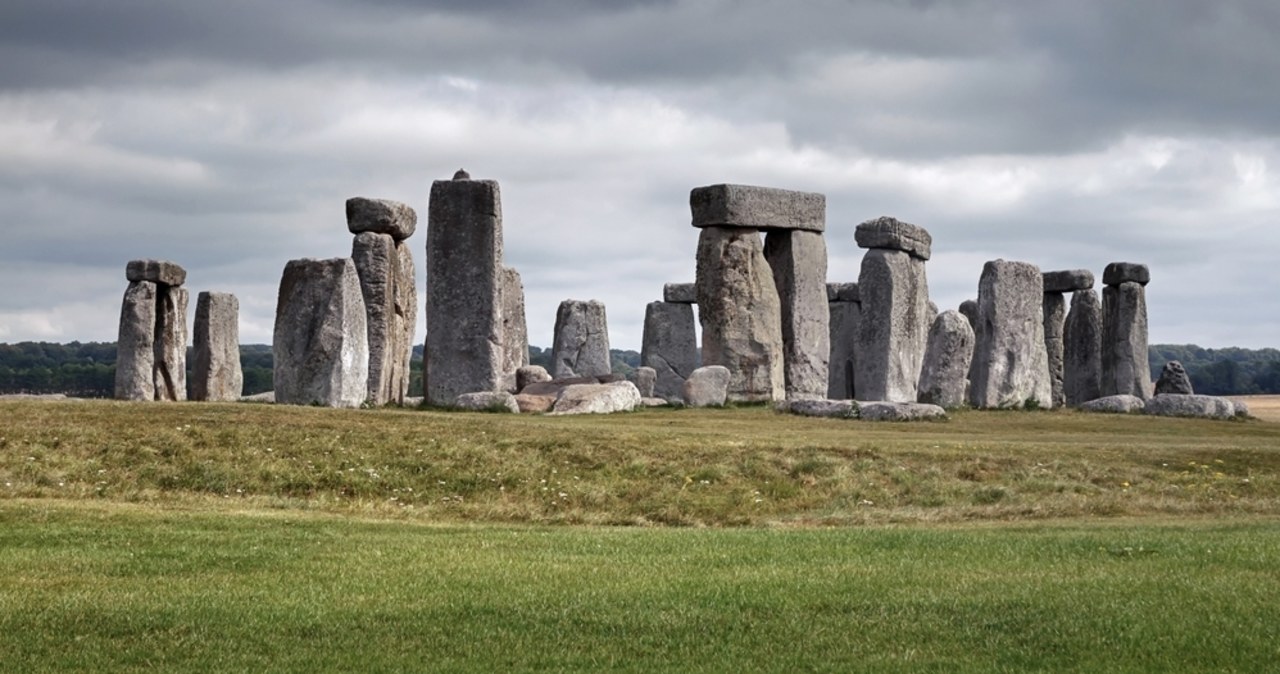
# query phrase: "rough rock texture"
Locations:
[[893, 234], [155, 271], [487, 401], [680, 293], [1125, 368], [669, 345], [707, 386], [381, 216], [581, 345], [532, 403], [515, 333], [844, 317], [405, 325], [896, 411], [740, 313], [216, 375], [894, 325], [1067, 280], [555, 386], [843, 292], [644, 378], [1055, 316], [832, 409], [264, 397], [320, 343], [1082, 349], [597, 399], [1010, 366], [757, 208], [170, 374], [654, 402], [1174, 380], [944, 377], [1191, 405], [1126, 272], [969, 309], [1117, 404], [1242, 408], [799, 262], [377, 265], [531, 374], [464, 352], [135, 346]]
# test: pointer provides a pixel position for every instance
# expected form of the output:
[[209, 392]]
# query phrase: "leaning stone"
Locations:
[[740, 313], [834, 409], [944, 377], [1190, 405], [894, 325], [969, 309], [1082, 349], [597, 399], [754, 207], [1067, 281], [381, 216], [1117, 404], [216, 375], [1126, 272], [680, 293], [487, 401], [707, 386], [170, 372], [1174, 380], [135, 346], [843, 292], [404, 326], [155, 271], [515, 333], [581, 345], [799, 263], [841, 364], [1055, 316], [535, 404], [377, 265], [893, 234], [1125, 364], [896, 411], [669, 345], [644, 378], [531, 374], [1010, 366], [320, 343]]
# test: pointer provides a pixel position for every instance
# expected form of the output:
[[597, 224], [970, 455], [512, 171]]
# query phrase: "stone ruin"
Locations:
[[151, 351], [669, 343], [844, 308], [216, 375], [896, 315], [1010, 363], [1125, 369], [384, 265], [580, 347]]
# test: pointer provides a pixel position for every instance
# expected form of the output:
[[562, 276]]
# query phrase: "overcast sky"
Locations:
[[226, 136]]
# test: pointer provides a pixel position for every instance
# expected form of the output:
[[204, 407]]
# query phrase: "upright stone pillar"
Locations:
[[381, 227], [1056, 283], [216, 375], [1082, 349], [670, 341], [894, 326], [1125, 368], [135, 346], [406, 323], [798, 259], [1010, 365], [155, 303], [944, 377], [844, 305], [515, 333], [581, 344], [320, 343]]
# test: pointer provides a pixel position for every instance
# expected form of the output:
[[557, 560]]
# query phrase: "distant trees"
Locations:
[[1230, 371]]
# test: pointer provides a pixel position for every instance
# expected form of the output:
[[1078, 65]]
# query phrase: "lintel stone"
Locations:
[[381, 216], [1067, 280], [680, 293], [752, 207], [1124, 272], [155, 271], [894, 234]]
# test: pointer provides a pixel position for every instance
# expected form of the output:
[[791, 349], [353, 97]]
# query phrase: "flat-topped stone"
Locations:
[[680, 293], [1126, 272], [830, 409], [755, 207], [1067, 280], [843, 292], [899, 411], [894, 234], [1192, 405], [381, 216], [155, 271], [1123, 403], [487, 401]]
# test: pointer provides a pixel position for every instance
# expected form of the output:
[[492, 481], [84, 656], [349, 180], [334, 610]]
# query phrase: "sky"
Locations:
[[226, 136]]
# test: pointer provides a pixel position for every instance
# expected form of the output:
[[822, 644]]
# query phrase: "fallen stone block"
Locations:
[[1191, 405], [1116, 404], [620, 396], [895, 411], [707, 386], [487, 401]]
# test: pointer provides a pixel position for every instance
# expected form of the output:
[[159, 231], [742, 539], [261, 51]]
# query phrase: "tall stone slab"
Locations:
[[944, 377], [135, 345], [1055, 316], [515, 331], [1010, 367], [798, 259], [171, 343], [740, 313], [377, 264], [893, 327], [464, 352], [844, 307], [669, 346], [320, 342], [405, 325], [581, 344], [216, 375], [1125, 368], [1082, 349]]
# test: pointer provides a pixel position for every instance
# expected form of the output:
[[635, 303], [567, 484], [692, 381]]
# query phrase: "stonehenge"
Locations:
[[320, 342], [1010, 364], [894, 323], [1082, 349], [844, 306], [669, 343], [385, 266], [948, 354], [151, 349], [1174, 380], [215, 374], [1056, 284], [1125, 368], [581, 344]]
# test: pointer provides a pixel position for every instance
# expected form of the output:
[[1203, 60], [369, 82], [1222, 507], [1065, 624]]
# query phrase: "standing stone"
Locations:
[[740, 313], [216, 375], [171, 343], [798, 259], [1082, 349], [405, 326], [893, 328], [377, 264], [320, 343], [969, 309], [515, 333], [1125, 368], [464, 306], [669, 346], [135, 346], [1174, 380], [944, 377], [581, 344], [644, 378], [845, 309], [1055, 316], [707, 386], [1010, 366]]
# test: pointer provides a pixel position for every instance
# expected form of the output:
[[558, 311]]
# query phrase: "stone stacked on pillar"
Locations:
[[151, 361], [844, 306], [1056, 284], [385, 267], [1125, 368], [894, 323]]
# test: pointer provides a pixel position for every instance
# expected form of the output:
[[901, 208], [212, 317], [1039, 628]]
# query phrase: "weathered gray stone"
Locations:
[[1174, 380], [893, 234], [1126, 272], [831, 409], [555, 386], [404, 326], [894, 326], [1125, 368], [171, 343], [644, 378], [1117, 404], [135, 346], [843, 292], [215, 374], [619, 396], [581, 345], [669, 346], [381, 216], [1067, 280], [760, 208], [320, 343], [1082, 349], [740, 313], [530, 403], [1055, 316], [1191, 405], [899, 411], [487, 401], [155, 271], [654, 402], [680, 293], [969, 309], [799, 262], [944, 377], [377, 264], [1010, 366], [1242, 408], [531, 374], [841, 365], [707, 386], [515, 333], [464, 352]]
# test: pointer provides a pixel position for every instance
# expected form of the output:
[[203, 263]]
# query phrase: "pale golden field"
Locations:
[[1266, 408]]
